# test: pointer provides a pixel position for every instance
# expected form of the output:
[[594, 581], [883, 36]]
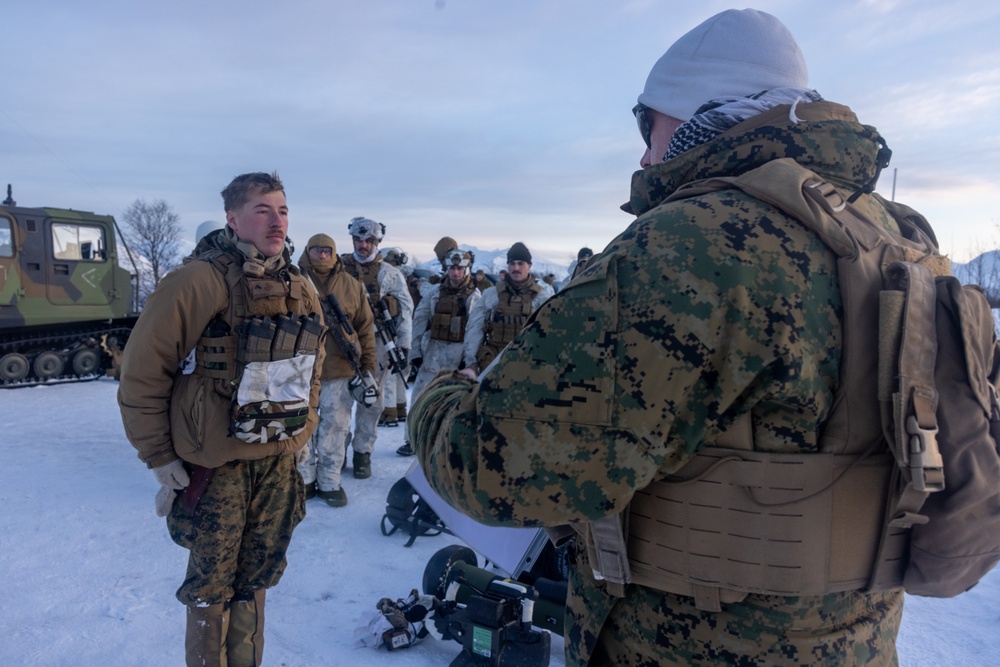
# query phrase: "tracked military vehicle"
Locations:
[[66, 307]]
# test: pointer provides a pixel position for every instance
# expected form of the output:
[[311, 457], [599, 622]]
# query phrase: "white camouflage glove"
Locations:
[[172, 475], [165, 498], [364, 389]]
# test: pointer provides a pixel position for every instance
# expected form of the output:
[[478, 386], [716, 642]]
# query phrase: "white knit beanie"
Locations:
[[735, 53]]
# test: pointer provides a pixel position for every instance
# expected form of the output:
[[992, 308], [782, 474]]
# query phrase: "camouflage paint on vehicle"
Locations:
[[65, 304]]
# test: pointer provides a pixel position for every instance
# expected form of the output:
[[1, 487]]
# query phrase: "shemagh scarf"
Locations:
[[719, 114]]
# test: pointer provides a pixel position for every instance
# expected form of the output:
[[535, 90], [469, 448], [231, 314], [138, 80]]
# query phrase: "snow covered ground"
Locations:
[[90, 572]]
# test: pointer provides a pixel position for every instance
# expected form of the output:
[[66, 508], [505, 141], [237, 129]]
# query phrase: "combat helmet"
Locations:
[[395, 257], [365, 228], [449, 255]]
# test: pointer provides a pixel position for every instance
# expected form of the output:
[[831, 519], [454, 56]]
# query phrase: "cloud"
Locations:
[[499, 119]]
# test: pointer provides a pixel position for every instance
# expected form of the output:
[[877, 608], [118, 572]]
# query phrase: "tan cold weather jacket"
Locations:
[[168, 414], [350, 294]]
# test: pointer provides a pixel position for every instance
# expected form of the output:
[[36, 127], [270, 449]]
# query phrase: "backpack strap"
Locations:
[[909, 398], [915, 402]]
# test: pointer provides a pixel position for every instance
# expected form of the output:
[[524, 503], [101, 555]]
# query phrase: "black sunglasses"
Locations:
[[642, 118]]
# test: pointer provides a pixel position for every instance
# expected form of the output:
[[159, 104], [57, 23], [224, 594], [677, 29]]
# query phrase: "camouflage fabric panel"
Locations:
[[700, 311], [269, 421], [240, 530], [272, 402], [836, 630], [648, 628]]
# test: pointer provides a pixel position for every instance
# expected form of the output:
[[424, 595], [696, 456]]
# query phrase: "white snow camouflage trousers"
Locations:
[[439, 355], [328, 446]]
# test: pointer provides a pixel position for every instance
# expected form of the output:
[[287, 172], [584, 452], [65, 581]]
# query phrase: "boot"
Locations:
[[335, 498], [205, 639], [388, 417], [406, 449], [362, 465], [245, 642], [401, 412]]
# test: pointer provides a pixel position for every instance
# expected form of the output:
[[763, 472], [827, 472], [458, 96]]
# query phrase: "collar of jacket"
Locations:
[[517, 288], [225, 240], [446, 287], [825, 137]]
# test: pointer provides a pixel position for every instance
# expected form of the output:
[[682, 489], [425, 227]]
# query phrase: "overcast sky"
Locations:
[[491, 121]]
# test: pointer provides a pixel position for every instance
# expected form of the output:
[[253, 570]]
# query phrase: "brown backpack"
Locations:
[[933, 343]]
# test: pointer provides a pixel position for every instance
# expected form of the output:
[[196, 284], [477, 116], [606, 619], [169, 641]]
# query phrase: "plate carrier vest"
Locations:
[[451, 314], [735, 521]]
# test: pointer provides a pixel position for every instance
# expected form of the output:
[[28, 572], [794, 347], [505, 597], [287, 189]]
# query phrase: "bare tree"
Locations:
[[154, 231]]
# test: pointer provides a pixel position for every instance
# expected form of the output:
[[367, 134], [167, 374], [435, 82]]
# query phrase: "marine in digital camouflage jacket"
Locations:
[[701, 310]]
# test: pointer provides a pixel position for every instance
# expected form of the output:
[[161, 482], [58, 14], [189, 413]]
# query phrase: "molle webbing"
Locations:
[[757, 522], [510, 314], [220, 354], [217, 351], [367, 274], [451, 315], [277, 338]]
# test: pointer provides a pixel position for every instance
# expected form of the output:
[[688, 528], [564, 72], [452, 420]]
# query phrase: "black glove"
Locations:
[[414, 369]]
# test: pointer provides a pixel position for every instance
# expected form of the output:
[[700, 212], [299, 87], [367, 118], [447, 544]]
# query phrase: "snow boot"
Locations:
[[245, 641], [335, 498], [401, 412], [205, 639], [388, 417], [362, 465]]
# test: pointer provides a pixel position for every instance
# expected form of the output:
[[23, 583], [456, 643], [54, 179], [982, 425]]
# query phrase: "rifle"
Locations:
[[363, 387], [385, 329], [340, 329]]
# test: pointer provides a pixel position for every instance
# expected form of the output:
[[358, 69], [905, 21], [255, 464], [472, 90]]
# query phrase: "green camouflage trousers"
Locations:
[[240, 531], [648, 628]]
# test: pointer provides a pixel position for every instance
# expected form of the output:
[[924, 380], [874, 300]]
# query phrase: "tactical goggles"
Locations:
[[458, 258], [321, 250], [645, 122]]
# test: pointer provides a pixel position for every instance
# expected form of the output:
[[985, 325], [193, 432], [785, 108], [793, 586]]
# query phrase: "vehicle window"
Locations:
[[78, 242], [6, 238]]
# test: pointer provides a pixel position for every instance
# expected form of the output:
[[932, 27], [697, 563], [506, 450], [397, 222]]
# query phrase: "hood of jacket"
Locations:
[[822, 136], [322, 273]]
